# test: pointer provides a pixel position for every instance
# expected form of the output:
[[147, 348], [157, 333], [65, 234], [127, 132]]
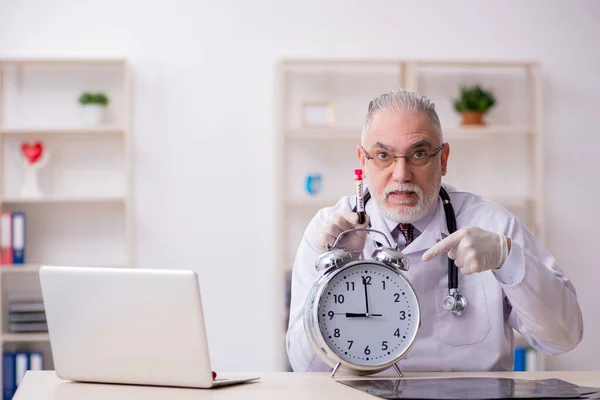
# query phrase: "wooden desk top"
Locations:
[[39, 385]]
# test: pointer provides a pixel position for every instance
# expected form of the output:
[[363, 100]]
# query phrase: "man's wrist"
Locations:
[[505, 246]]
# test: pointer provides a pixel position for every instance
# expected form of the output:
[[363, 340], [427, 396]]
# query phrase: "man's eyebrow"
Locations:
[[384, 146], [416, 145], [420, 143]]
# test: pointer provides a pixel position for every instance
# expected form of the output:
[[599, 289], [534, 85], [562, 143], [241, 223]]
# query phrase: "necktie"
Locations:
[[408, 232]]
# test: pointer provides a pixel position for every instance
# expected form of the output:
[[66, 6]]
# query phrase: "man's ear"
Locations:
[[361, 158], [444, 158]]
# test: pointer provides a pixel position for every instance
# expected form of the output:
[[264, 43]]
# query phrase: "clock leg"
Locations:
[[398, 370], [335, 369]]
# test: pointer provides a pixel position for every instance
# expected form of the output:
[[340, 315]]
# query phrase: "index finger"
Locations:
[[443, 246]]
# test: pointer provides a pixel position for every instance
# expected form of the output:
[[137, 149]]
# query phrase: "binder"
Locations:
[[9, 381], [28, 327], [36, 361], [531, 359], [18, 237], [520, 359], [6, 253], [26, 317], [25, 306], [21, 366]]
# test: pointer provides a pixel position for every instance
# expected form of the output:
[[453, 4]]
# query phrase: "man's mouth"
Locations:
[[402, 193], [403, 196]]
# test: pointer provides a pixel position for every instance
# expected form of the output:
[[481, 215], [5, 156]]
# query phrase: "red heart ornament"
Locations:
[[32, 152]]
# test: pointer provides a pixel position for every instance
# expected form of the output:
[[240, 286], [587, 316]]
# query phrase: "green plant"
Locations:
[[93, 98], [474, 98]]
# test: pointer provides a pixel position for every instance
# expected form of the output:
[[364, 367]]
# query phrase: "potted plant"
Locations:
[[94, 107], [473, 103]]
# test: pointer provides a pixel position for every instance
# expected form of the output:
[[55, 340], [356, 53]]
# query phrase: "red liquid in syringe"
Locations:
[[360, 201]]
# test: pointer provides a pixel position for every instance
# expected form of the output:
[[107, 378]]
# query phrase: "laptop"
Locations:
[[128, 326]]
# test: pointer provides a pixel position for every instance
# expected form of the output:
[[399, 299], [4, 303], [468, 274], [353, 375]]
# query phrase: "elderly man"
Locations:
[[509, 278]]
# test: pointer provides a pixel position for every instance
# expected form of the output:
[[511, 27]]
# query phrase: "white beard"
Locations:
[[405, 213]]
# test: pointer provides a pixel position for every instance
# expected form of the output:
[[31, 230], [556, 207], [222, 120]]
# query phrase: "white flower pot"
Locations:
[[31, 187], [94, 114]]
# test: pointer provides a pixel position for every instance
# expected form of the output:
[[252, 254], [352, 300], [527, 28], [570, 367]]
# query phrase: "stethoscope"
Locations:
[[455, 302]]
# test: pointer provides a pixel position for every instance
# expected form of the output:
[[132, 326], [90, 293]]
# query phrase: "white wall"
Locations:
[[204, 124]]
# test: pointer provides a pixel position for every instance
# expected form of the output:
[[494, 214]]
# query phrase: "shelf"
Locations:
[[93, 62], [313, 202], [480, 132], [25, 337], [452, 133], [476, 63], [351, 134], [101, 130], [19, 268], [63, 199]]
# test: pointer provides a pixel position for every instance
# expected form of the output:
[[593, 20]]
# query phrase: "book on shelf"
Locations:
[[12, 238], [28, 327], [26, 316], [526, 359], [14, 366], [25, 306]]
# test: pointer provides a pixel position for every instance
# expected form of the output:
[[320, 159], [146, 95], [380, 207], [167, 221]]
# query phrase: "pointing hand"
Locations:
[[473, 249]]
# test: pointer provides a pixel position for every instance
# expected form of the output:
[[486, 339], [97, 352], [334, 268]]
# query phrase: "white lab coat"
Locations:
[[531, 294]]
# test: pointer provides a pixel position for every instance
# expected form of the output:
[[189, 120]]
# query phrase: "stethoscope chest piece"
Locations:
[[455, 302]]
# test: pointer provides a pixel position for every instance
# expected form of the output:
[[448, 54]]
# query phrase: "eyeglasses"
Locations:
[[418, 158]]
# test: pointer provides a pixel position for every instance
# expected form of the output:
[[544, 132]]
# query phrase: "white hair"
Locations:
[[402, 100]]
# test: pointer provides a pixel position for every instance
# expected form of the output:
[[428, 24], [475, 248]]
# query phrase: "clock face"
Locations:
[[368, 314]]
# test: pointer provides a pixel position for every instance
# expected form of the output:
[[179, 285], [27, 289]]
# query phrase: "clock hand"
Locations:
[[366, 297], [364, 315]]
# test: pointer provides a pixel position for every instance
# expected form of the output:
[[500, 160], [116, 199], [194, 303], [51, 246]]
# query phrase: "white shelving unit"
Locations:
[[85, 216], [501, 160], [64, 131]]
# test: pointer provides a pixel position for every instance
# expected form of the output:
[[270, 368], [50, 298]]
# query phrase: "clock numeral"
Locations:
[[397, 333], [330, 314], [351, 342], [383, 284], [336, 332], [338, 298], [384, 345], [402, 315], [367, 350], [349, 285], [366, 280], [396, 297]]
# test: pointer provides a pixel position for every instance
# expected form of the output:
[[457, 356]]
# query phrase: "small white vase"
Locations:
[[94, 114], [31, 187]]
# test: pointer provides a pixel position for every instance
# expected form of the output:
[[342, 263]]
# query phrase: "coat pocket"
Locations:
[[472, 326]]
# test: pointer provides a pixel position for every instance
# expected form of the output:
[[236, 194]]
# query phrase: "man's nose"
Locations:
[[402, 171]]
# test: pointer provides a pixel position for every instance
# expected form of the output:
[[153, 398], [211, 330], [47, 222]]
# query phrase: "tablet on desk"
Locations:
[[129, 326]]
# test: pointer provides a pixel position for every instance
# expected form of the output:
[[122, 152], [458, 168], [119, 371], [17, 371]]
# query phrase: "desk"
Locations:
[[38, 385]]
